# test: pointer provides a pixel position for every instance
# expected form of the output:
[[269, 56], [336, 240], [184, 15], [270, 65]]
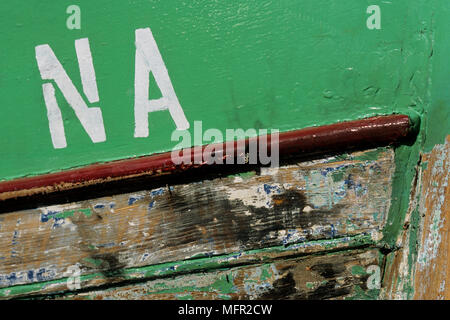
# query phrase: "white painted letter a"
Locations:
[[148, 59]]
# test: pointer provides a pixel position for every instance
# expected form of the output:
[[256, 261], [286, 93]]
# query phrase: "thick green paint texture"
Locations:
[[407, 156], [437, 116], [434, 110], [234, 64]]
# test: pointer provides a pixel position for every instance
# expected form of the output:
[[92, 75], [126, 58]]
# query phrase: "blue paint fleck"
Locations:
[[333, 231], [325, 171], [99, 206], [237, 255], [15, 236], [40, 275], [12, 278], [47, 216], [157, 192], [355, 186], [340, 193], [58, 222], [268, 189], [151, 204]]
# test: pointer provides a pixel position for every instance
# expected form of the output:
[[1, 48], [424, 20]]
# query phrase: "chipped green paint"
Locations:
[[358, 270], [311, 285], [185, 297], [338, 175], [193, 265], [266, 272], [28, 288], [224, 284], [316, 284], [70, 213], [370, 155], [218, 286], [244, 175], [360, 294]]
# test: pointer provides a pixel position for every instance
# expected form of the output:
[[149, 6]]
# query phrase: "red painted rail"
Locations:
[[369, 132]]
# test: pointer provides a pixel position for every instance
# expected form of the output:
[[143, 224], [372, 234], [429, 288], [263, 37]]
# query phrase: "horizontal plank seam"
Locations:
[[357, 242]]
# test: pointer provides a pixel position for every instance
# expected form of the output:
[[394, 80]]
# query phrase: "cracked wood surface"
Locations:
[[337, 276], [326, 199], [432, 279]]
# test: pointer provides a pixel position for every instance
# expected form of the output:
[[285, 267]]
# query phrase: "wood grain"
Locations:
[[327, 199], [338, 276], [432, 280]]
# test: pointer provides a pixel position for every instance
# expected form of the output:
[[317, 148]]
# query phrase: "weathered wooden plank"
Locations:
[[258, 256], [432, 279], [419, 267], [337, 276], [308, 201]]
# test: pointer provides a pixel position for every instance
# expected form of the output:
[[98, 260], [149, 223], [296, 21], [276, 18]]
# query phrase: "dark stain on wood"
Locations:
[[302, 278], [282, 288]]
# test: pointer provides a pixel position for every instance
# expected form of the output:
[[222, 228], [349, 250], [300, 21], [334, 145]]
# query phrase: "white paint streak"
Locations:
[[54, 117]]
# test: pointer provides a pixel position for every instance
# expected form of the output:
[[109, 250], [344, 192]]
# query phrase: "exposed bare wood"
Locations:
[[303, 202], [432, 280], [337, 276]]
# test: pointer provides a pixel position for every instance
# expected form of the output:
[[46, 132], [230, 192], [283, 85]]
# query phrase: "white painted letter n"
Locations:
[[51, 69]]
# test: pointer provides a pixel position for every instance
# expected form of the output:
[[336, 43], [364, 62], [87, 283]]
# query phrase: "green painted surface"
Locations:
[[242, 64]]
